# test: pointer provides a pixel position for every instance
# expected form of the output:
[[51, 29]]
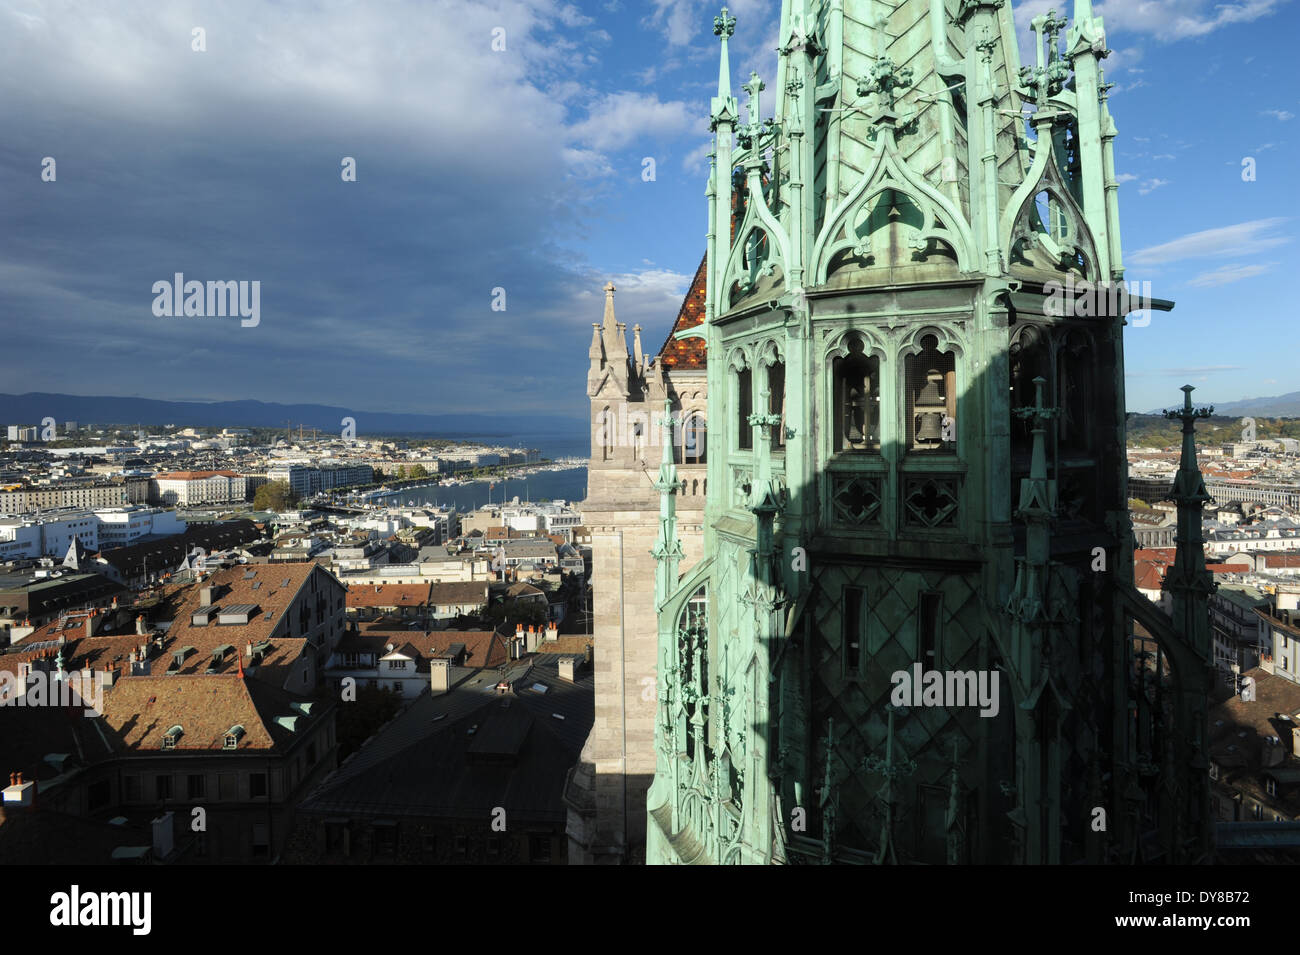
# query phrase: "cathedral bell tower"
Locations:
[[910, 638]]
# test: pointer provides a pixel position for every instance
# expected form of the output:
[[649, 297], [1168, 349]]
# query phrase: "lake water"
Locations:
[[569, 485]]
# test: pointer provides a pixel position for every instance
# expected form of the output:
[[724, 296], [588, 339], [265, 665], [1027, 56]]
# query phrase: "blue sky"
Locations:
[[521, 168]]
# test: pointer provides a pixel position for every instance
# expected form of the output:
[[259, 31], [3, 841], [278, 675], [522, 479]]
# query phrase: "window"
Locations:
[[856, 399], [1270, 785], [1214, 770], [196, 785], [852, 626], [462, 847], [162, 786], [744, 408], [97, 795], [494, 847], [931, 399], [695, 440], [385, 840], [260, 841], [776, 402], [539, 848], [927, 626], [256, 785], [1257, 811], [334, 837]]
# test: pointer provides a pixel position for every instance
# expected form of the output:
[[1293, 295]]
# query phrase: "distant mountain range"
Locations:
[[1280, 406], [29, 409]]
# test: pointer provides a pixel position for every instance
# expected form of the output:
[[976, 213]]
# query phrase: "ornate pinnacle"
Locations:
[[1186, 413], [1103, 88], [1054, 25], [885, 78], [753, 88], [724, 25]]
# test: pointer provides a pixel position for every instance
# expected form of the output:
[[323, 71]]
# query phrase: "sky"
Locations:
[[501, 152]]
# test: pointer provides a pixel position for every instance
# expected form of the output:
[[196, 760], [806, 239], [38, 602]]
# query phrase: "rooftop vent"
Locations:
[[171, 736]]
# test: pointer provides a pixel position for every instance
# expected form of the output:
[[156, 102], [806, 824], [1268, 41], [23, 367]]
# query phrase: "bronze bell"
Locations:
[[929, 426], [931, 392]]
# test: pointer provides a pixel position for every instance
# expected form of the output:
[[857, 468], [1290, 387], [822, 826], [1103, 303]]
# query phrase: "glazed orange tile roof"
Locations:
[[687, 353]]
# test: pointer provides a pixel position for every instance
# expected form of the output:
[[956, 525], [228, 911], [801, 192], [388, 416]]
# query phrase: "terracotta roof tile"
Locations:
[[139, 712], [388, 595]]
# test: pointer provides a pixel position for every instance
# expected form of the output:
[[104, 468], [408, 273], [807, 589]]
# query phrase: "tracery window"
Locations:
[[744, 408], [857, 399], [931, 399]]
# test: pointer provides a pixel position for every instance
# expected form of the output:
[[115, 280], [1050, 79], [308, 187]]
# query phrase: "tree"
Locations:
[[401, 472], [274, 496], [418, 471], [377, 474]]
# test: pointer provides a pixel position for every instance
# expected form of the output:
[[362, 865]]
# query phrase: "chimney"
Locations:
[[109, 677], [206, 596], [19, 793], [1274, 753], [552, 631], [90, 625], [139, 625], [568, 668], [162, 836], [140, 664], [439, 674]]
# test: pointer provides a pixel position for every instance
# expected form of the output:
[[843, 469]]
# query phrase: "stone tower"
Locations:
[[628, 394], [912, 635]]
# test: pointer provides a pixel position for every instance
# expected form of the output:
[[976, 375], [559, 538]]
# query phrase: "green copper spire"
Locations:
[[915, 461], [724, 104]]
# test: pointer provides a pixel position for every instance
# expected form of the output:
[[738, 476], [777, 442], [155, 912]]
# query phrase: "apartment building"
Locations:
[[183, 488], [24, 500]]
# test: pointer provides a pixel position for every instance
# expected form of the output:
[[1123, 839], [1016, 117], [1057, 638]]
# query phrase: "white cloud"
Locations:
[[618, 119], [1151, 185], [1179, 19], [587, 163], [1281, 115], [697, 159], [1245, 238], [1228, 274], [1125, 177]]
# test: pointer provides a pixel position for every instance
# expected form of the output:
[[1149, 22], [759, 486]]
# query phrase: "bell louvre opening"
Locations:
[[931, 399], [857, 399]]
